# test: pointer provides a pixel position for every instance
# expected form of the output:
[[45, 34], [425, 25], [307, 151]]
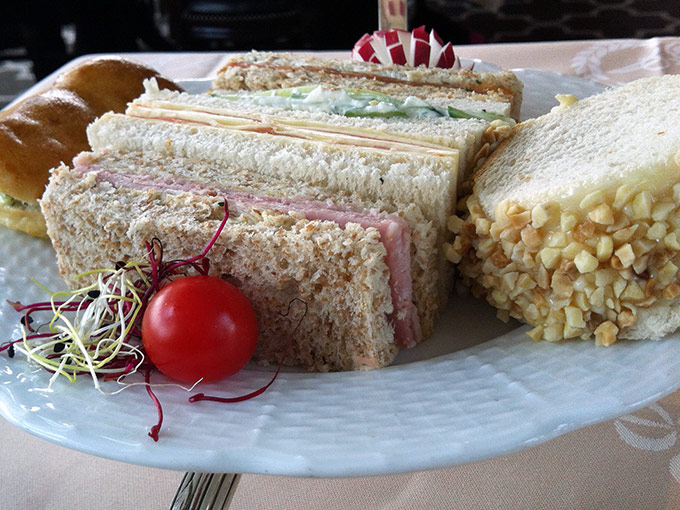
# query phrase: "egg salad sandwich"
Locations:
[[572, 223]]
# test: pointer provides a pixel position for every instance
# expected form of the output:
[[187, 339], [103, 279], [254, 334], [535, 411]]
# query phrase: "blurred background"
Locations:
[[38, 36]]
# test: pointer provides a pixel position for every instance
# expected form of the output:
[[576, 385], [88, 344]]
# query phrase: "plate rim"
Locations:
[[243, 461]]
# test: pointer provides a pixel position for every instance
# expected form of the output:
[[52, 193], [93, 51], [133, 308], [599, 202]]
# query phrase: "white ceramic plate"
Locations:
[[478, 389]]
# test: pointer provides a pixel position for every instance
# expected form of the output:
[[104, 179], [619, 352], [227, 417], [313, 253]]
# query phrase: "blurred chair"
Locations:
[[31, 29], [240, 24], [268, 24], [492, 21], [109, 26]]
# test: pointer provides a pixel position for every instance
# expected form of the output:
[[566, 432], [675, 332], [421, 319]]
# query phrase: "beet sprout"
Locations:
[[96, 329], [230, 400], [207, 248], [92, 328], [155, 430]]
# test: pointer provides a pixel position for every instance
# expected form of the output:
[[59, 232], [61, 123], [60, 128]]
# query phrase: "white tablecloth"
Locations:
[[632, 462]]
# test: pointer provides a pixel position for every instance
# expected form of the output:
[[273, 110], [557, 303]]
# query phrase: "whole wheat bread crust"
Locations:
[[339, 273]]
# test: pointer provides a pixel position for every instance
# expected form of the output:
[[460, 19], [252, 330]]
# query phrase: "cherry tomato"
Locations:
[[199, 327]]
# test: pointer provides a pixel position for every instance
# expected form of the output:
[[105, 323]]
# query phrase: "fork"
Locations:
[[205, 491]]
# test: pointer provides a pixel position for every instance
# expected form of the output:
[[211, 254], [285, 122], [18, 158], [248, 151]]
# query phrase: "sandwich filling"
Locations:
[[477, 86], [352, 102], [241, 121], [394, 231], [19, 215], [9, 201]]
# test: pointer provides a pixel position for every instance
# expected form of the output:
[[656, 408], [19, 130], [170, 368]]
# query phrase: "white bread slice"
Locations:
[[573, 224], [263, 71], [466, 135], [628, 134], [429, 181], [339, 273]]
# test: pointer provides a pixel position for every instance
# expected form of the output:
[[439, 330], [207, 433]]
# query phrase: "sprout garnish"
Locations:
[[96, 330]]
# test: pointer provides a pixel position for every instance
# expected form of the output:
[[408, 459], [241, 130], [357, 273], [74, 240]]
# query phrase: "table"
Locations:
[[630, 462]]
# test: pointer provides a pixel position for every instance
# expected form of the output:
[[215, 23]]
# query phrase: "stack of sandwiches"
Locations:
[[340, 178]]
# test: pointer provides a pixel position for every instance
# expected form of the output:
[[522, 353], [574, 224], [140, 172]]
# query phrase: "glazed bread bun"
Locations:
[[108, 84], [36, 135], [43, 130]]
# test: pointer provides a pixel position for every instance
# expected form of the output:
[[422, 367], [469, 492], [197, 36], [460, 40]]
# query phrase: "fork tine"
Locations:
[[205, 491]]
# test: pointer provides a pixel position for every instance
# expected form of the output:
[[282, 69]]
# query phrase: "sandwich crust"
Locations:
[[339, 273]]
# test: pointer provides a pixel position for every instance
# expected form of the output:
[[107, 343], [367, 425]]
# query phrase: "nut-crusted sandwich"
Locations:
[[43, 130], [572, 224], [352, 265]]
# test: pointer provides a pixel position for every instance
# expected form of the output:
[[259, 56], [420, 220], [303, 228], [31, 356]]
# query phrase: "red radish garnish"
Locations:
[[420, 47], [414, 48]]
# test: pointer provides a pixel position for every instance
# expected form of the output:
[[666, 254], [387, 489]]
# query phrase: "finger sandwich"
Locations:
[[572, 223], [339, 197]]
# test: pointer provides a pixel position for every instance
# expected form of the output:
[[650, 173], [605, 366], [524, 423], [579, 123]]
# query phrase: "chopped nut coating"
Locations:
[[576, 273]]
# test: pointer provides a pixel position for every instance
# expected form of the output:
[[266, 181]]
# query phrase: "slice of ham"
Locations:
[[394, 231]]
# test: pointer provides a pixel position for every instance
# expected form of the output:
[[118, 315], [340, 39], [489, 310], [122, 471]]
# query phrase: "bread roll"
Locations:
[[108, 84], [43, 130]]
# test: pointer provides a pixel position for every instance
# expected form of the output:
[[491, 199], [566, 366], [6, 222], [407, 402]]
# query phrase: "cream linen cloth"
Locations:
[[632, 462]]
